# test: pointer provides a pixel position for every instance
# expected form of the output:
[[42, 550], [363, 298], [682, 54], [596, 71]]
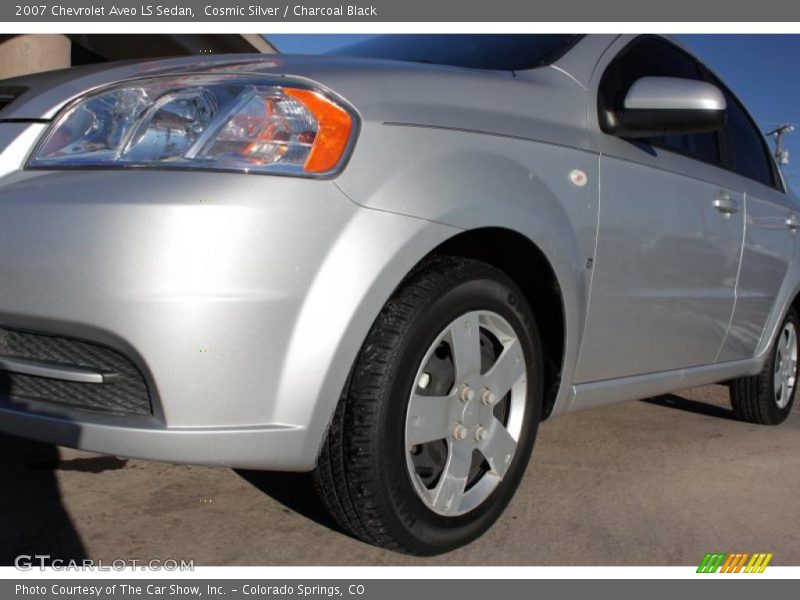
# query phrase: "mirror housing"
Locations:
[[656, 106]]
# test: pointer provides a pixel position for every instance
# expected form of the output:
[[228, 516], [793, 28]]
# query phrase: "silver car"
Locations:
[[386, 267]]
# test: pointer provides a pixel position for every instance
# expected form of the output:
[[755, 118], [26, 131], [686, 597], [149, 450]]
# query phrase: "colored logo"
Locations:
[[738, 562]]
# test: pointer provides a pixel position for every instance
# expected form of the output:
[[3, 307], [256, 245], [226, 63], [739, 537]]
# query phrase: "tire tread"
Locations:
[[344, 475]]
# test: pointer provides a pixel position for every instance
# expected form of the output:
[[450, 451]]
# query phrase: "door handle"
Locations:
[[792, 223], [725, 205]]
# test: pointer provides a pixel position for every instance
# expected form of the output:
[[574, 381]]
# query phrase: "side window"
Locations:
[[747, 152], [656, 58]]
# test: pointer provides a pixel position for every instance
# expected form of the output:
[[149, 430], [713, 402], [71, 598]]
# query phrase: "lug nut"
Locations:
[[481, 434], [460, 432], [467, 394], [487, 397], [424, 381]]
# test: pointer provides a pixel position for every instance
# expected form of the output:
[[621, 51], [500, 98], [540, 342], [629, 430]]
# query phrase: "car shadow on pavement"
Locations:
[[693, 406], [33, 519], [295, 491]]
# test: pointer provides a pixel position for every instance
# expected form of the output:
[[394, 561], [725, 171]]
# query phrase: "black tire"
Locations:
[[361, 474], [754, 399]]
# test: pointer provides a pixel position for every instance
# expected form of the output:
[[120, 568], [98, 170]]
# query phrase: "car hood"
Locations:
[[542, 103], [40, 95]]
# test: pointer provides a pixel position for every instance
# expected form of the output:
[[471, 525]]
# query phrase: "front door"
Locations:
[[669, 238]]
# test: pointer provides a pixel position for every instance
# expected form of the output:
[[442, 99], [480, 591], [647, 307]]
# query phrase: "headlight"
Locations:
[[215, 122]]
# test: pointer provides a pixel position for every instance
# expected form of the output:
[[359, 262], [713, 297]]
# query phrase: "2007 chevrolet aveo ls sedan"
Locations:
[[386, 267]]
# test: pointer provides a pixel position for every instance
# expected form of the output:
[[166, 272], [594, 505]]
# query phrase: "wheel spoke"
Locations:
[[791, 362], [450, 490], [498, 448], [428, 418], [506, 371], [465, 336]]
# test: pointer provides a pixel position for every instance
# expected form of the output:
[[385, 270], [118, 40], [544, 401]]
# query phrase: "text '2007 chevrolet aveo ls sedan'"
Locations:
[[386, 267]]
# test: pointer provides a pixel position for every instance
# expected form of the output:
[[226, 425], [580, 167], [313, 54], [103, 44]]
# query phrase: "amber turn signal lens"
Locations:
[[333, 135]]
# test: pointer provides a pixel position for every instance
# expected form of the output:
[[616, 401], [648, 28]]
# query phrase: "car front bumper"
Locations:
[[242, 299]]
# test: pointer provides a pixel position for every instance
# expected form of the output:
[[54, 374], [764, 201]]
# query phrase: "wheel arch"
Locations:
[[788, 298], [527, 265], [339, 310], [795, 303]]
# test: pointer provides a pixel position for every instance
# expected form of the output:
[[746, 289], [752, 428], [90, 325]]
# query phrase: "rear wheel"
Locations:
[[436, 425], [767, 398]]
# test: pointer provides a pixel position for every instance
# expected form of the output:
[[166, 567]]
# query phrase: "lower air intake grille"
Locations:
[[123, 390]]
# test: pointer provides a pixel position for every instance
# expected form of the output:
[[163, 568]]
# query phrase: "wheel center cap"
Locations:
[[470, 413]]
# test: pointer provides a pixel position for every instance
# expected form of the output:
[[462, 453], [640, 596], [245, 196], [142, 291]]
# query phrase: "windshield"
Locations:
[[494, 52]]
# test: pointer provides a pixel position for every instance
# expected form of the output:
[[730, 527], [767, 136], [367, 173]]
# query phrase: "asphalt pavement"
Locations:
[[653, 482]]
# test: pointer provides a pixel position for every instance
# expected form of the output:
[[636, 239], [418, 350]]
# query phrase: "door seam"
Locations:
[[738, 273], [587, 312]]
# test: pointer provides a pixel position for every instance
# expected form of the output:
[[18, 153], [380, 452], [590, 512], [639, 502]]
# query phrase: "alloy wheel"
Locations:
[[785, 375], [465, 413]]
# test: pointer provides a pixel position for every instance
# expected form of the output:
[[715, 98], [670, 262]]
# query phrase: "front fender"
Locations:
[[470, 180], [368, 260]]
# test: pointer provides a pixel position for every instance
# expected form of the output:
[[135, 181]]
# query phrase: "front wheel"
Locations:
[[436, 426], [767, 398]]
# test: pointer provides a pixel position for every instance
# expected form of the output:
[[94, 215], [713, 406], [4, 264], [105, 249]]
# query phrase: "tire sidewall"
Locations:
[[413, 519]]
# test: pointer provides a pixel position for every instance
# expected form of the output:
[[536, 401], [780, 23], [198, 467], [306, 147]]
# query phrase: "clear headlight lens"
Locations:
[[215, 122]]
